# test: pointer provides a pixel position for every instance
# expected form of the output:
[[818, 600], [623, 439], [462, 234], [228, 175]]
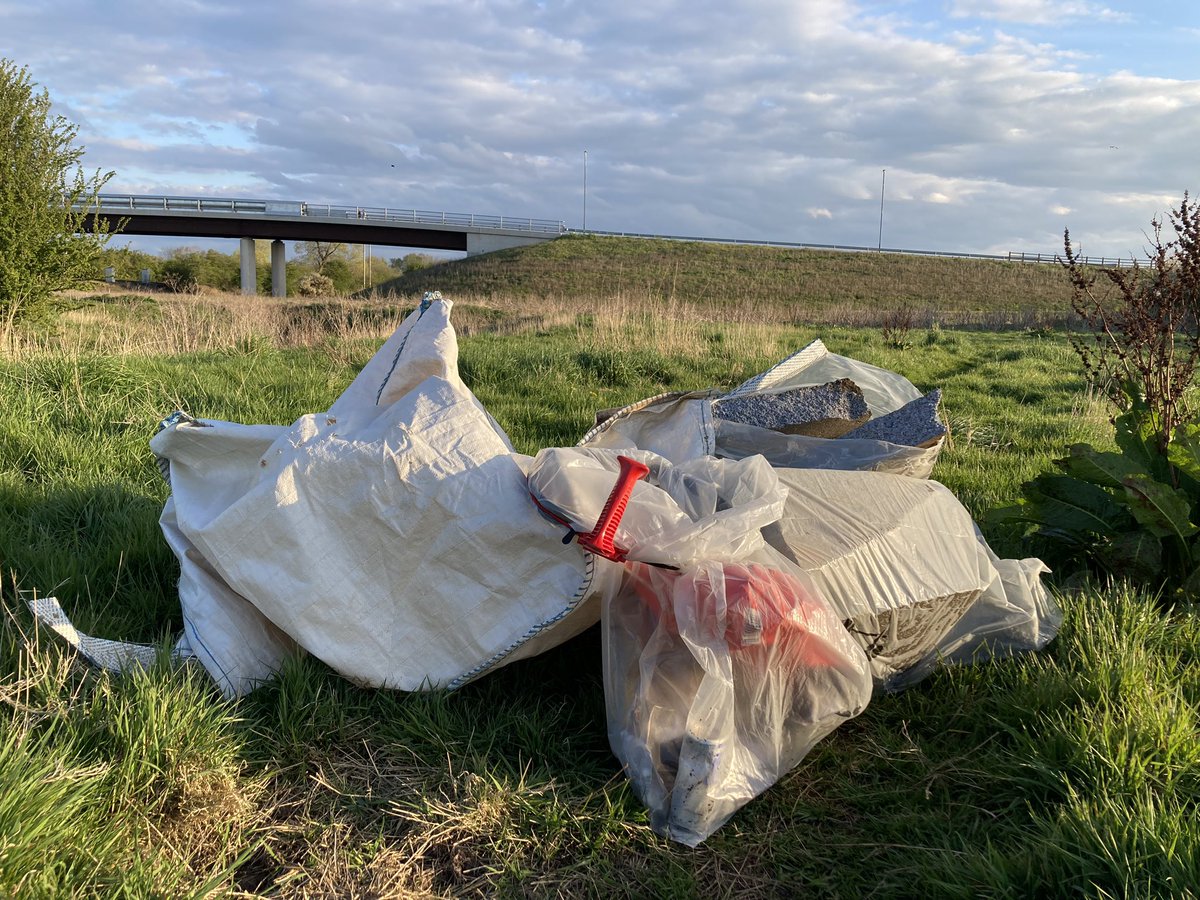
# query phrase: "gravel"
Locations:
[[915, 424], [827, 410]]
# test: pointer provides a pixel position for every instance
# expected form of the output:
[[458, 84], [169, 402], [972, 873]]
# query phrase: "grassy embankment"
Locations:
[[1072, 772], [787, 286]]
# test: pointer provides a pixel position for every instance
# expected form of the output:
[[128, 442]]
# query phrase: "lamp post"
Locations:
[[882, 189], [585, 190]]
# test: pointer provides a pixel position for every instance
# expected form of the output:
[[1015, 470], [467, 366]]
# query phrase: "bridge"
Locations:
[[280, 220]]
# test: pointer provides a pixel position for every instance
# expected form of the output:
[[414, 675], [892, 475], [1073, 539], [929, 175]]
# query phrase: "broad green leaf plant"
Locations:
[[1133, 513]]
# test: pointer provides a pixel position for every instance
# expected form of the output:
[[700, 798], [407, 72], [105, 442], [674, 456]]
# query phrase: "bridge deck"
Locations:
[[299, 221]]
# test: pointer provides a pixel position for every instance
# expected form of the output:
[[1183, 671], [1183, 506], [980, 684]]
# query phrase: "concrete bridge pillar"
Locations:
[[278, 269], [486, 243], [249, 269]]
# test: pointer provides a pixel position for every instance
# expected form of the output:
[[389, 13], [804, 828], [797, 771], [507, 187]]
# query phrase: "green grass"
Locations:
[[1075, 772]]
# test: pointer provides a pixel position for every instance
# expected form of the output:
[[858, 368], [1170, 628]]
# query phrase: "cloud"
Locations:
[[772, 119], [1035, 12]]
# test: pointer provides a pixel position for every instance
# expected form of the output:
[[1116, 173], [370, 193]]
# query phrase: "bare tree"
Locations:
[[318, 253]]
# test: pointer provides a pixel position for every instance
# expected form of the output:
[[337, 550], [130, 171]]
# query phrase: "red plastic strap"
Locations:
[[600, 539]]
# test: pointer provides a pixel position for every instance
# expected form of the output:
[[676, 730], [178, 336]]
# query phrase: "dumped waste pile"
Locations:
[[762, 562]]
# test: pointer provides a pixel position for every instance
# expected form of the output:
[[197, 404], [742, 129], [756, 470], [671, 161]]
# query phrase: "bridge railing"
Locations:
[[379, 214], [432, 217], [140, 203]]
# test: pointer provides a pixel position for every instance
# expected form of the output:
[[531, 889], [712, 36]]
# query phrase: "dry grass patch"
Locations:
[[149, 324], [330, 834]]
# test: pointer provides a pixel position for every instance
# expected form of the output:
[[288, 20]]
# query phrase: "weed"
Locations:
[[1143, 339], [897, 324]]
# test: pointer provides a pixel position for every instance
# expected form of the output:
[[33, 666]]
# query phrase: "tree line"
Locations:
[[317, 268]]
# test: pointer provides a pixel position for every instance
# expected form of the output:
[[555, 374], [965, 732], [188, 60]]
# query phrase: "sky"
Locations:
[[999, 122]]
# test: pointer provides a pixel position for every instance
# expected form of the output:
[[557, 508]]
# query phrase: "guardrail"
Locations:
[[376, 214], [801, 245], [1011, 256], [1116, 262]]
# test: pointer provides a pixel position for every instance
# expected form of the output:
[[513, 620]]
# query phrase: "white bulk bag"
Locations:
[[682, 426], [392, 537], [908, 571]]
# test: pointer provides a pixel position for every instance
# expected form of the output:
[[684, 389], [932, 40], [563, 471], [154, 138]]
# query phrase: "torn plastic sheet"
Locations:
[[115, 656]]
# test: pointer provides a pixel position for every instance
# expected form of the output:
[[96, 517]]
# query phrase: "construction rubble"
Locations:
[[761, 562]]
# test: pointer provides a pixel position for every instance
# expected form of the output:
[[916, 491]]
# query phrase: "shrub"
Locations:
[[345, 279], [1142, 342], [127, 263], [46, 242], [314, 284], [897, 325], [413, 262], [179, 274]]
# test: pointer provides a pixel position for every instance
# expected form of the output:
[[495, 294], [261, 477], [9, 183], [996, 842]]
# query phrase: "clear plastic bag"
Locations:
[[707, 508], [722, 665], [718, 679]]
